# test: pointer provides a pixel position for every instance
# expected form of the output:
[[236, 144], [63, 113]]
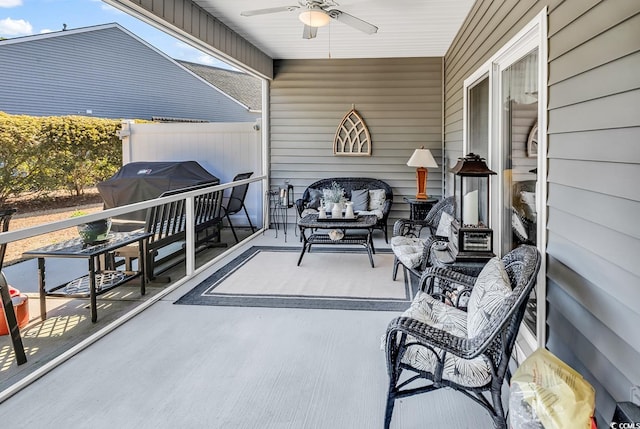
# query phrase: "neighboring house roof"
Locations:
[[107, 71], [240, 86]]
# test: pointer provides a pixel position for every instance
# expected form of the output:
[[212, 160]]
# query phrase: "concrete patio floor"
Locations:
[[226, 367]]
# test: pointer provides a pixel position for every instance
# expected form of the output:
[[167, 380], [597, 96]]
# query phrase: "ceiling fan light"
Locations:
[[314, 18]]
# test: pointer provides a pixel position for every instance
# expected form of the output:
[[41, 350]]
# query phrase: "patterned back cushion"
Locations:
[[489, 291], [377, 198], [444, 226]]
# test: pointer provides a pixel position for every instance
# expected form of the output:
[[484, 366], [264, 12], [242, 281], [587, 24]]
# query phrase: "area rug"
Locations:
[[327, 278]]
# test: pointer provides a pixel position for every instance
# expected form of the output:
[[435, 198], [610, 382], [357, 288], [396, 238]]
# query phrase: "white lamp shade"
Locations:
[[314, 17], [422, 158]]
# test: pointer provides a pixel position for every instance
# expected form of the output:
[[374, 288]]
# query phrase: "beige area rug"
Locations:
[[326, 278]]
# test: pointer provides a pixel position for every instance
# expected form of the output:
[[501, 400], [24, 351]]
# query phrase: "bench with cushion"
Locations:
[[369, 196]]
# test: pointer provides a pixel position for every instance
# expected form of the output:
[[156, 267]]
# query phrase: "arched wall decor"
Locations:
[[352, 136]]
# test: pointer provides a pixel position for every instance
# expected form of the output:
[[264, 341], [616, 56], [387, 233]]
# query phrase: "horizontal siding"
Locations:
[[615, 43], [622, 145], [593, 236], [613, 78], [624, 109], [399, 99], [593, 165], [72, 73], [597, 370]]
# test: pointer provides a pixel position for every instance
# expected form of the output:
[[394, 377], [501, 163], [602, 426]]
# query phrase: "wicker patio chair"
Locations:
[[407, 233], [447, 347], [7, 304]]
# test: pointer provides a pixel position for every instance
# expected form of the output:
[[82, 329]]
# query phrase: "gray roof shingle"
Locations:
[[240, 86]]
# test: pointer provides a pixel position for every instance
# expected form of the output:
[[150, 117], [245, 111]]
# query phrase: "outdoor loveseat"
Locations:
[[370, 196]]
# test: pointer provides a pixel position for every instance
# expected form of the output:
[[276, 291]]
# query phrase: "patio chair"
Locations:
[[467, 351], [7, 304], [409, 249], [236, 202]]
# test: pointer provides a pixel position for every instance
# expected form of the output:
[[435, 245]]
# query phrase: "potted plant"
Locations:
[[333, 198], [93, 232]]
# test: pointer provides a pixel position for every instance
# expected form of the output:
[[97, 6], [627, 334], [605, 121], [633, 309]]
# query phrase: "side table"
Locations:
[[420, 208], [99, 278], [278, 212]]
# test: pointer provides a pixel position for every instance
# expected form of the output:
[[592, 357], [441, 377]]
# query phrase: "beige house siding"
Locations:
[[593, 248], [399, 99]]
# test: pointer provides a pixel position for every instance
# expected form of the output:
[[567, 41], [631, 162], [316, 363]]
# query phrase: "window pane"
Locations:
[[520, 107], [478, 136], [479, 118]]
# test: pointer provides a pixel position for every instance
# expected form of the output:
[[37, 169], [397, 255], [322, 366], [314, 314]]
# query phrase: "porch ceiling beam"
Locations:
[[187, 21]]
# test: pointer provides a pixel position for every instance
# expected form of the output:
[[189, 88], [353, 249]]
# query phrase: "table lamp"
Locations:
[[422, 159]]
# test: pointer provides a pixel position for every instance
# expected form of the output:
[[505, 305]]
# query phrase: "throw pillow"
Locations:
[[518, 227], [444, 226], [489, 292], [377, 197], [360, 199], [314, 198], [529, 200]]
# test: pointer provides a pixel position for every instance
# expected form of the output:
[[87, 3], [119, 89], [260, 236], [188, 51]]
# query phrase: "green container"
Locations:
[[95, 232]]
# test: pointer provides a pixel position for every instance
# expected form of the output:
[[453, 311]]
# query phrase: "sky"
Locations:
[[20, 18]]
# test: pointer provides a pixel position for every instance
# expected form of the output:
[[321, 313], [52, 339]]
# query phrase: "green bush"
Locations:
[[45, 154]]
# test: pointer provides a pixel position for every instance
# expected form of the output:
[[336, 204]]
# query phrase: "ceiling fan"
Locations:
[[315, 13]]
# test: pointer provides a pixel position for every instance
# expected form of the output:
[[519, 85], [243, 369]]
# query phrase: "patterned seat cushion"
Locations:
[[376, 212], [308, 211], [466, 372], [489, 292], [408, 250]]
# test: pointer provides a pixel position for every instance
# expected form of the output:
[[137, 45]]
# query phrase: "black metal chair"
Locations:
[[413, 228], [236, 202], [7, 304], [444, 350]]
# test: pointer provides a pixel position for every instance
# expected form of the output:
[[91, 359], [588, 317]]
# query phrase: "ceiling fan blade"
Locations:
[[352, 21], [269, 10], [309, 32]]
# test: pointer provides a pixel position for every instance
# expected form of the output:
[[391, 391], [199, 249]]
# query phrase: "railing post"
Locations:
[[190, 248]]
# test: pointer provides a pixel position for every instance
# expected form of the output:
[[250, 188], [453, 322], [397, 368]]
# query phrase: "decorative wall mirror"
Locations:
[[352, 136]]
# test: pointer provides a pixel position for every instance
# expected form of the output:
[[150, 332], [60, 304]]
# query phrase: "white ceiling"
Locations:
[[406, 28]]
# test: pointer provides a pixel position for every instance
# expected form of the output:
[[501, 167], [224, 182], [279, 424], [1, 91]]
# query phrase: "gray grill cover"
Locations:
[[142, 181]]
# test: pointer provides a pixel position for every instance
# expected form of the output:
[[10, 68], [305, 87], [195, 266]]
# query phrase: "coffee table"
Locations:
[[349, 227]]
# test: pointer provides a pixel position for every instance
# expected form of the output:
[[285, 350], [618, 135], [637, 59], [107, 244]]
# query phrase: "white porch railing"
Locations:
[[190, 248]]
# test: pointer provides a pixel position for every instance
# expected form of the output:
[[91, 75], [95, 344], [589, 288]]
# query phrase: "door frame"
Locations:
[[533, 35]]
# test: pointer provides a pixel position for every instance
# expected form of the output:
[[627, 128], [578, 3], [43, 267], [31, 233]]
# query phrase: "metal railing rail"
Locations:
[[189, 196]]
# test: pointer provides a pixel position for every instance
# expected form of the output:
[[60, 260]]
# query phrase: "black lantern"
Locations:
[[471, 238], [286, 195]]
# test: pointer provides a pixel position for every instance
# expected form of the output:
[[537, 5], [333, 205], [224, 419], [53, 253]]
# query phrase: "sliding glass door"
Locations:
[[504, 122], [519, 107]]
